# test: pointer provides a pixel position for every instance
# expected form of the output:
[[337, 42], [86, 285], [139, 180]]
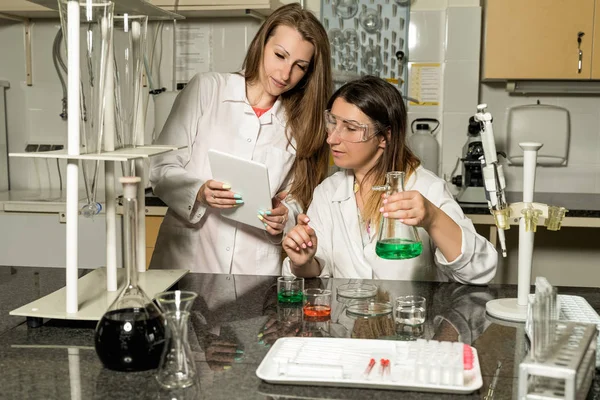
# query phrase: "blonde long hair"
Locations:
[[304, 104], [383, 104]]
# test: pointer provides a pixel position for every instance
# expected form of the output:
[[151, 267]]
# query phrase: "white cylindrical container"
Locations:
[[425, 146]]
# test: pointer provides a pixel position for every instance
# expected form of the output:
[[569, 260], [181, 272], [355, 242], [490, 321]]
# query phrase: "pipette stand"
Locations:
[[87, 298], [528, 214]]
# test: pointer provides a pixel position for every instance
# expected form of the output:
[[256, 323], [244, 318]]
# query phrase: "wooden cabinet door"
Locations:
[[596, 43], [537, 39]]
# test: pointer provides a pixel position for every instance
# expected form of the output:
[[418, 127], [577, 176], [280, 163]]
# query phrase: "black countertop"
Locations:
[[58, 361], [578, 204]]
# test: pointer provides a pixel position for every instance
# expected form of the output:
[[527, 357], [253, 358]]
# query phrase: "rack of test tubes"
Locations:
[[421, 365], [567, 370], [562, 360]]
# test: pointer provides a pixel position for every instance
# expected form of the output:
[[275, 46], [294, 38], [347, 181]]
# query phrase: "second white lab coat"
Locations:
[[333, 215], [212, 112]]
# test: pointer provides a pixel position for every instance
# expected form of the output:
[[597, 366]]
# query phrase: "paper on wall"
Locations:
[[425, 84], [193, 50]]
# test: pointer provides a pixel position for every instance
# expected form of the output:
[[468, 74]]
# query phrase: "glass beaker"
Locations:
[[177, 367], [396, 240], [131, 334]]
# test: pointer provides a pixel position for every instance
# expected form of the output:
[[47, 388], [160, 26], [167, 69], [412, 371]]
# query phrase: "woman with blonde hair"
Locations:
[[366, 126], [270, 112]]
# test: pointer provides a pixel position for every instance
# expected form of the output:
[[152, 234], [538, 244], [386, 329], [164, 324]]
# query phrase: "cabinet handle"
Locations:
[[580, 58]]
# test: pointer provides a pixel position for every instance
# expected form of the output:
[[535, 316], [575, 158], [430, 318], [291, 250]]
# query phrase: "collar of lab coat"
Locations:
[[235, 91], [345, 190]]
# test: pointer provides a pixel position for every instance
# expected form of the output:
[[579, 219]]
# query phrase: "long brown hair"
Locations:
[[304, 104], [383, 104]]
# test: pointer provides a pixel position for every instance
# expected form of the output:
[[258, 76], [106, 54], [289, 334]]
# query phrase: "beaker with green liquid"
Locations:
[[396, 240]]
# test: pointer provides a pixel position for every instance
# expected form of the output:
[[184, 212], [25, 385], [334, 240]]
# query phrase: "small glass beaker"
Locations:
[[290, 289], [177, 368], [373, 319], [396, 240], [410, 317], [317, 304]]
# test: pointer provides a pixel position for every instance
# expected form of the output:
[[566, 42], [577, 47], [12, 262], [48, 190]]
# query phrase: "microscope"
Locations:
[[471, 180], [526, 213]]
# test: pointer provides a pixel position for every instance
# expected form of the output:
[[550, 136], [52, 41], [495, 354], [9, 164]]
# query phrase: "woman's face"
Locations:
[[361, 156], [285, 60]]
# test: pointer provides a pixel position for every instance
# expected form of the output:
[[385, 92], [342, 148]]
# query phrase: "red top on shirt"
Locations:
[[260, 111]]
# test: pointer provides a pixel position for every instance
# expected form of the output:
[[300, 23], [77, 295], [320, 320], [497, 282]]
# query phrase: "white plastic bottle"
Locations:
[[424, 144]]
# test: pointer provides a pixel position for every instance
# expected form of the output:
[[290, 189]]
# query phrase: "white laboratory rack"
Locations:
[[568, 371], [575, 309], [422, 365], [78, 299]]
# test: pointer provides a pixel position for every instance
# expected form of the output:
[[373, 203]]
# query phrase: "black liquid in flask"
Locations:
[[130, 339], [130, 336]]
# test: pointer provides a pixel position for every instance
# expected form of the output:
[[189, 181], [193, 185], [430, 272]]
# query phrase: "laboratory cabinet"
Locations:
[[538, 39], [152, 226]]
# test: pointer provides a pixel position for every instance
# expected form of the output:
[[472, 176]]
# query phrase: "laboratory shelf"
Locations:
[[131, 7], [93, 297], [122, 154]]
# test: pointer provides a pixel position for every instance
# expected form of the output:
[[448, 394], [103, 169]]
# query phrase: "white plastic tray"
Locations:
[[577, 309], [342, 362]]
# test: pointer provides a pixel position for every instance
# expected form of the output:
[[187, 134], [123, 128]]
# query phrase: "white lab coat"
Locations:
[[333, 215], [212, 112]]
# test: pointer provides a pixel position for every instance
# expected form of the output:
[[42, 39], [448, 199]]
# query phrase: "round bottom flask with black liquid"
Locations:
[[131, 334]]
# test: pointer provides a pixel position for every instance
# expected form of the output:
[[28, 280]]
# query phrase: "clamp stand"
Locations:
[[529, 213]]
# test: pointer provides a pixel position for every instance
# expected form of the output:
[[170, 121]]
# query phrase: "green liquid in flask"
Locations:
[[398, 249], [290, 296]]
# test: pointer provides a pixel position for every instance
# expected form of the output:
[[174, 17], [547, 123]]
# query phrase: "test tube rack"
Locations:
[[567, 371]]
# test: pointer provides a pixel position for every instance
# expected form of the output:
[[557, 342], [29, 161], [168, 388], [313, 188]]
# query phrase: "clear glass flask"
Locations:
[[131, 334], [177, 368], [396, 240]]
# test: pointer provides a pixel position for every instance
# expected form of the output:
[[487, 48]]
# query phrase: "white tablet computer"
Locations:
[[246, 177]]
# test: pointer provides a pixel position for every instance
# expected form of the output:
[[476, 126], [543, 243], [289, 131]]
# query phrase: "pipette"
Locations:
[[493, 175]]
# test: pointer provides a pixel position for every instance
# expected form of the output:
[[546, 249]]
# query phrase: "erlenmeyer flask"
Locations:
[[177, 367], [396, 240], [131, 334]]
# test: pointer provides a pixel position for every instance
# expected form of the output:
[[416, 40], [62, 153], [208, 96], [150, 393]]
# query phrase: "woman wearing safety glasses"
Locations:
[[366, 129]]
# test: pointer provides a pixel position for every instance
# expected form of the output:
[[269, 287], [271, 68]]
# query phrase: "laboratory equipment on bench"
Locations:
[[421, 365], [471, 179], [86, 297], [131, 334], [424, 144], [527, 213], [396, 240], [561, 363], [177, 368]]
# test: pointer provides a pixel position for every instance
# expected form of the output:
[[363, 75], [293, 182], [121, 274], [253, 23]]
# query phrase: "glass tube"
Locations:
[[96, 21]]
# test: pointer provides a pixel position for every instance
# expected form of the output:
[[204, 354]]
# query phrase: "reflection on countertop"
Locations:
[[234, 320]]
